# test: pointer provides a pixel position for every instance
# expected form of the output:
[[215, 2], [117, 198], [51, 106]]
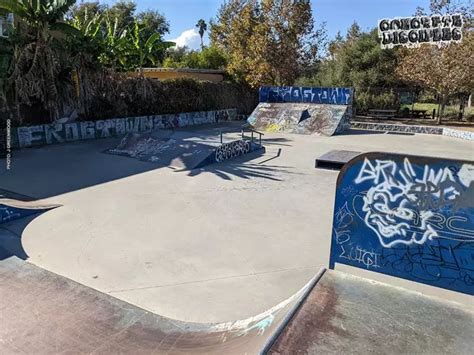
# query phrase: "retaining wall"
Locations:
[[67, 132]]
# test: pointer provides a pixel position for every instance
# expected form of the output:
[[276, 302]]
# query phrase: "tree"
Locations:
[[153, 22], [37, 69], [86, 9], [129, 49], [202, 26], [124, 12], [445, 69], [175, 55], [6, 54], [267, 41], [354, 32], [120, 20], [208, 58], [358, 61]]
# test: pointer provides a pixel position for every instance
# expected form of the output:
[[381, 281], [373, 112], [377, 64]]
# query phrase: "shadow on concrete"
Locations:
[[358, 132], [52, 170], [401, 133], [277, 155], [10, 237], [241, 168], [276, 141]]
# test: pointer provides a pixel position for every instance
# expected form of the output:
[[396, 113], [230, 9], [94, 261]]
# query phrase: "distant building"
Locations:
[[170, 73]]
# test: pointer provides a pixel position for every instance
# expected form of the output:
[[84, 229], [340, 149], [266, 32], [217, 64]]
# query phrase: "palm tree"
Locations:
[[201, 24], [37, 51]]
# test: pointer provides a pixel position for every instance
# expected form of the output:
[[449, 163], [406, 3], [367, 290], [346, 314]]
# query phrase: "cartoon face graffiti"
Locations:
[[404, 206], [390, 214]]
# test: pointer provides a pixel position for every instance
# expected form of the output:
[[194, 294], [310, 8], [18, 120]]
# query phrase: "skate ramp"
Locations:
[[46, 313], [323, 111], [183, 150], [346, 314], [407, 216], [11, 209]]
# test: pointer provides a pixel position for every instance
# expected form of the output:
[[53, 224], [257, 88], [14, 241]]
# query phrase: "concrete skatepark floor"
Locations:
[[214, 244]]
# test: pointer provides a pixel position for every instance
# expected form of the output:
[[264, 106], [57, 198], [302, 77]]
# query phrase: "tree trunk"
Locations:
[[462, 105], [441, 110]]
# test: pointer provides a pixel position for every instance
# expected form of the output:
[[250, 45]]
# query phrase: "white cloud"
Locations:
[[189, 38]]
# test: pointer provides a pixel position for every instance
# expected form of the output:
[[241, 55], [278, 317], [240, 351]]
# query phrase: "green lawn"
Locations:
[[449, 111]]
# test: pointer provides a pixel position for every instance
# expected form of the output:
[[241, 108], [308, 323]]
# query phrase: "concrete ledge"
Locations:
[[387, 127], [456, 133]]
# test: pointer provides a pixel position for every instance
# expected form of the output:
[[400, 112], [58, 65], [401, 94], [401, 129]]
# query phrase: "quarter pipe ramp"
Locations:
[[11, 209], [45, 313], [323, 111]]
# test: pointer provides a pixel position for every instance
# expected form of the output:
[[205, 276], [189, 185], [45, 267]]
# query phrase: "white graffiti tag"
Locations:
[[231, 150], [400, 198]]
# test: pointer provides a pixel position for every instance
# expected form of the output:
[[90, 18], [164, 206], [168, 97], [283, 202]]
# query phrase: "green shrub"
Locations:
[[117, 95], [365, 101]]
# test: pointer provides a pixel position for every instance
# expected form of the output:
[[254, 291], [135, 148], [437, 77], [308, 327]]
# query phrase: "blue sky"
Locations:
[[338, 14]]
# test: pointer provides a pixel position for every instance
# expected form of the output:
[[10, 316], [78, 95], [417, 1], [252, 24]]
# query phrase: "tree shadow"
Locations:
[[52, 170], [358, 132], [242, 167], [276, 141]]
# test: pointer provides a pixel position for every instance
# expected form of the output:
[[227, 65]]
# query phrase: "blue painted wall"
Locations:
[[333, 96], [10, 213], [407, 216]]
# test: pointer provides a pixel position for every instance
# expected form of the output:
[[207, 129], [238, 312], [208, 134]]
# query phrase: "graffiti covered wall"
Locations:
[[334, 96], [407, 216], [67, 132], [303, 110]]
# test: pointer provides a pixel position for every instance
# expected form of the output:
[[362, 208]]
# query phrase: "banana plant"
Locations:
[[41, 16], [148, 49], [129, 49], [36, 66]]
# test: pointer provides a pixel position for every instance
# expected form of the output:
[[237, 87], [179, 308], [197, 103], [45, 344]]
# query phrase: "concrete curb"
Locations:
[[387, 127]]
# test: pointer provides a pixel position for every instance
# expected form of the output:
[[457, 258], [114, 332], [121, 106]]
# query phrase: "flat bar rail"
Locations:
[[252, 131]]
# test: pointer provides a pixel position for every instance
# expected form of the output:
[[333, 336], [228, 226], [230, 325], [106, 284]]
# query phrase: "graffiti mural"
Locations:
[[67, 132], [8, 213], [303, 110], [233, 149], [314, 95], [407, 216], [11, 210]]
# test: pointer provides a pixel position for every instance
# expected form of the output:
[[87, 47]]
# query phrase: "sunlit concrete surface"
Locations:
[[221, 243]]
